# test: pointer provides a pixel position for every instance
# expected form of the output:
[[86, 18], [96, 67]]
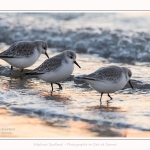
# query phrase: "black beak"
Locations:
[[130, 84], [46, 54], [77, 64]]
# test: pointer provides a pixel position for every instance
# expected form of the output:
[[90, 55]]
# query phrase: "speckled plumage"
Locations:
[[110, 73], [50, 64], [20, 49]]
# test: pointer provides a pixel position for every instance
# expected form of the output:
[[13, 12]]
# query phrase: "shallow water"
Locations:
[[75, 111], [77, 104]]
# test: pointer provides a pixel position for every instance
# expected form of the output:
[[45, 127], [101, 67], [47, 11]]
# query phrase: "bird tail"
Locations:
[[32, 73], [5, 56], [80, 77], [83, 77]]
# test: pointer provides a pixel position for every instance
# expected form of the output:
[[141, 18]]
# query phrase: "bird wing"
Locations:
[[111, 73], [19, 49], [47, 66]]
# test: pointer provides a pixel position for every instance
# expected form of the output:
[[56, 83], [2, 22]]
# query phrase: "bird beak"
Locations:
[[46, 54], [130, 84], [77, 64]]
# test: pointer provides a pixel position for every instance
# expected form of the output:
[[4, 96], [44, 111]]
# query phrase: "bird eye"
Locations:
[[44, 47], [129, 74], [71, 57]]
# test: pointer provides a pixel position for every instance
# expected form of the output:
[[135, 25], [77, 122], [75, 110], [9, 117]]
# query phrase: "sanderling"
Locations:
[[57, 68], [23, 54], [107, 79]]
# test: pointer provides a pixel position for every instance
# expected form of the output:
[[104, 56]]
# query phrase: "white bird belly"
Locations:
[[23, 62], [107, 86], [60, 74]]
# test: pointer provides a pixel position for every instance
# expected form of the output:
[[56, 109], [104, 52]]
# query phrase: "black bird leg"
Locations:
[[52, 88], [60, 87], [101, 98], [11, 70], [110, 96]]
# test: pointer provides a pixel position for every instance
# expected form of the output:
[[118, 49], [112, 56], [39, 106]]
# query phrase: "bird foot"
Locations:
[[59, 89], [110, 101]]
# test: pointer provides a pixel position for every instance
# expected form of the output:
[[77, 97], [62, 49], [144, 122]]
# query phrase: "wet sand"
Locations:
[[13, 126]]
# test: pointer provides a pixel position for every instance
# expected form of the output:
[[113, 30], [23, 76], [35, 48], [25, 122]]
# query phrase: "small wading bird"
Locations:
[[107, 79], [23, 54], [57, 68]]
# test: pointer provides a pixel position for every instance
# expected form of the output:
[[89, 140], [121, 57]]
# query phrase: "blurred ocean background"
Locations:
[[120, 36]]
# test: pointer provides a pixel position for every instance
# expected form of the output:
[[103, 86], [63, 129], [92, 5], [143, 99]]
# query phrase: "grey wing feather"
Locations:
[[48, 65], [106, 73], [19, 49]]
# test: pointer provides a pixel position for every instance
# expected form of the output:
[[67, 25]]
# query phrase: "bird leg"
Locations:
[[101, 98], [52, 89], [60, 87], [11, 70], [110, 96]]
